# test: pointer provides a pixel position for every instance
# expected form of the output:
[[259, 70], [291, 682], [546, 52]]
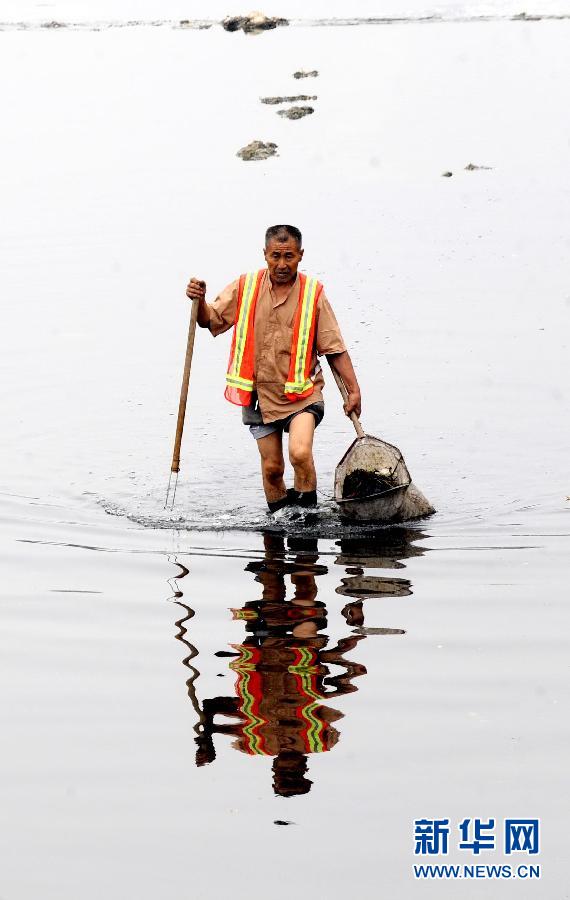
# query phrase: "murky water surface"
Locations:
[[175, 685]]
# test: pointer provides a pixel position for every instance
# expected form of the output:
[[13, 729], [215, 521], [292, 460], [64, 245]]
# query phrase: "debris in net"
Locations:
[[274, 101], [257, 150], [471, 167], [446, 174], [253, 23], [53, 25], [360, 484], [302, 74], [296, 112], [282, 822]]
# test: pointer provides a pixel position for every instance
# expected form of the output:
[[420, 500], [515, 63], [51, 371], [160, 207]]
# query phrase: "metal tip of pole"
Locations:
[[166, 506], [174, 491]]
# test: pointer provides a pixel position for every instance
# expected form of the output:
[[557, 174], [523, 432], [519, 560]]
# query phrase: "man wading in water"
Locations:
[[282, 320]]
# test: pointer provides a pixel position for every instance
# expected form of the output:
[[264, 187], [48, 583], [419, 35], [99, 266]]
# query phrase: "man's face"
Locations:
[[283, 258]]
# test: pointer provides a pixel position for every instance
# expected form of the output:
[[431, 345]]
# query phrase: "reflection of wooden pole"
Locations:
[[175, 466], [342, 388]]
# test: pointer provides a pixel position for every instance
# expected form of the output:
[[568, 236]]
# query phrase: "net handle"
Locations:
[[353, 417]]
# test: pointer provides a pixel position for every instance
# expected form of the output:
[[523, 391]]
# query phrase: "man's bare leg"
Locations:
[[301, 433], [272, 466]]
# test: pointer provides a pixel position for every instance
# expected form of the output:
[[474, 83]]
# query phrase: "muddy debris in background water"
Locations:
[[253, 23], [296, 112], [191, 23], [303, 74], [274, 101], [257, 150]]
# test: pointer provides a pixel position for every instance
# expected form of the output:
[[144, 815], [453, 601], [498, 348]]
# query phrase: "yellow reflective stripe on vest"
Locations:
[[238, 382], [301, 384], [295, 388], [241, 327]]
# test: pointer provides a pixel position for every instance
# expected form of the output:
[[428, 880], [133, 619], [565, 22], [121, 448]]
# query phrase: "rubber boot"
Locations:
[[274, 505], [303, 498]]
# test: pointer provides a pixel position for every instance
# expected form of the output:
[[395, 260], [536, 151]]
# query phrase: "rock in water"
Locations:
[[296, 112], [257, 150], [304, 74], [253, 23]]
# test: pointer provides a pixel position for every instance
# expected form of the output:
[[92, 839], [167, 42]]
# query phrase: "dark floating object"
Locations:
[[254, 23], [282, 822], [362, 629], [303, 74], [471, 167], [446, 174], [257, 150], [296, 112], [359, 484], [366, 586], [225, 653], [273, 101]]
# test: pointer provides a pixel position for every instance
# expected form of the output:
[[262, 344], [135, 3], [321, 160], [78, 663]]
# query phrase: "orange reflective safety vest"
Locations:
[[241, 367]]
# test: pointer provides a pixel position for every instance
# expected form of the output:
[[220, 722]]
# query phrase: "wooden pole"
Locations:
[[175, 466], [353, 417]]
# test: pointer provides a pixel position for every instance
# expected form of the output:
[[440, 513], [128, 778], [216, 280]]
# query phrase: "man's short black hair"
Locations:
[[282, 233]]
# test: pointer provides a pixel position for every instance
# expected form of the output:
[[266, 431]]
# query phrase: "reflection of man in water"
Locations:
[[282, 673]]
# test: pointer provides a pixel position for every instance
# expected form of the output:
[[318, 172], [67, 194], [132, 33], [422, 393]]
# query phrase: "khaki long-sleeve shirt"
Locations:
[[274, 320]]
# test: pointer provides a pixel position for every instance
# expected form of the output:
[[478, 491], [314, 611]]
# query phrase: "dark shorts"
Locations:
[[260, 430]]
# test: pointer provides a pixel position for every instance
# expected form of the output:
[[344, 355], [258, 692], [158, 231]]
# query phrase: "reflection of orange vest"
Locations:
[[305, 672], [241, 366], [248, 686], [250, 690]]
